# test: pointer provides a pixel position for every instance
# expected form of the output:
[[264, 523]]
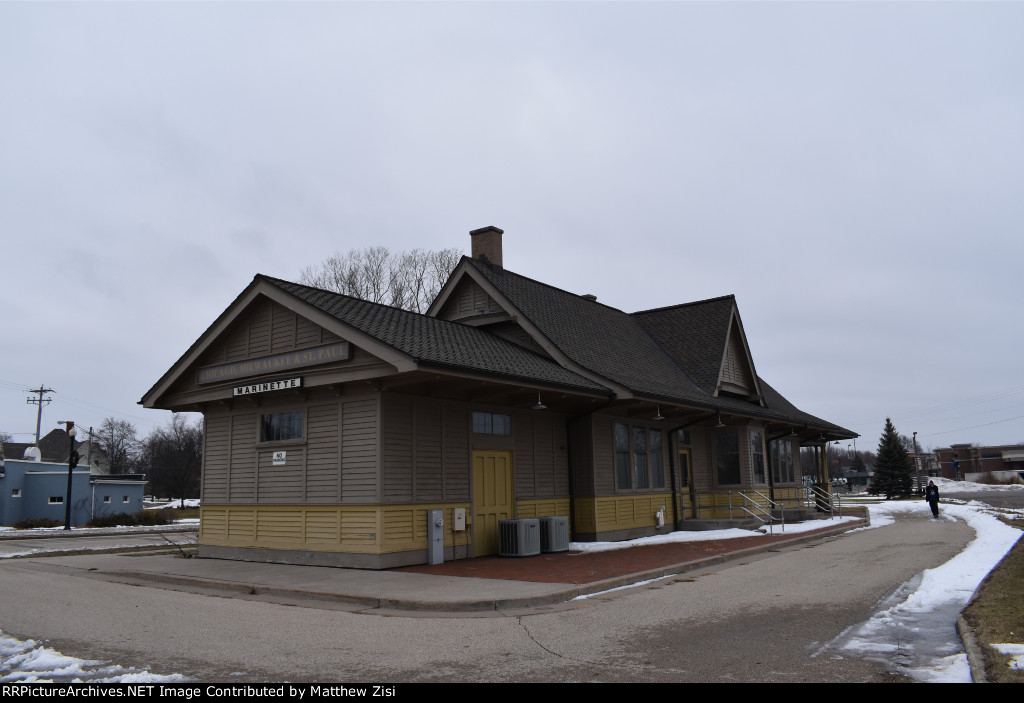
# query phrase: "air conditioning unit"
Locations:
[[519, 538], [554, 534]]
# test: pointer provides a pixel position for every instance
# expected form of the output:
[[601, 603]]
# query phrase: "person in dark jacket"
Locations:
[[931, 494]]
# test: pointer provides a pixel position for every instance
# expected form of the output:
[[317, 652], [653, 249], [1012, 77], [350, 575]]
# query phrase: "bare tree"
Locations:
[[408, 280], [172, 457], [120, 441]]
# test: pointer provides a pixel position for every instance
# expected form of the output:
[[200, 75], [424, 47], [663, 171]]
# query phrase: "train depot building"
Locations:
[[333, 426]]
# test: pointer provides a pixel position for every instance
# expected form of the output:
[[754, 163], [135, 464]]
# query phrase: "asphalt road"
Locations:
[[997, 499], [10, 547], [762, 619]]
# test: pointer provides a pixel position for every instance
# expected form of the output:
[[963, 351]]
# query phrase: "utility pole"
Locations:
[[40, 401], [917, 466]]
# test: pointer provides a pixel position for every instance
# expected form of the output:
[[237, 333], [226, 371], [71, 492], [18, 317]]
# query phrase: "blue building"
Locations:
[[36, 489]]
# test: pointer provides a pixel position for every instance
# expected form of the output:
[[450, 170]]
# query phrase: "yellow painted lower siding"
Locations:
[[361, 529], [611, 513], [542, 507]]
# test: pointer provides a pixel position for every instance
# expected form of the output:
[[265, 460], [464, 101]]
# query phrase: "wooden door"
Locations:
[[492, 498]]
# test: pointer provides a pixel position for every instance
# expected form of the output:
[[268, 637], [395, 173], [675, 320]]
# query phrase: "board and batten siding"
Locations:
[[540, 459], [335, 462], [425, 450], [467, 300], [270, 328]]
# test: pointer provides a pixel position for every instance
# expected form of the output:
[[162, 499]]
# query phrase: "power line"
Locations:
[[1009, 419]]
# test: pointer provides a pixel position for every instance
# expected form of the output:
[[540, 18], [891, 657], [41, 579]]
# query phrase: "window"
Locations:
[[757, 456], [15, 493], [125, 499], [782, 461], [280, 427], [638, 462], [727, 446], [492, 423], [106, 499], [56, 500]]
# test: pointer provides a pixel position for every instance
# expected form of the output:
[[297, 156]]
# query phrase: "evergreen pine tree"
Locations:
[[893, 475]]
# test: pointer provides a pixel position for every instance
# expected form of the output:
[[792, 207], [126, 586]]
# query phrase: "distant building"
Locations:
[[969, 462], [55, 447], [37, 489]]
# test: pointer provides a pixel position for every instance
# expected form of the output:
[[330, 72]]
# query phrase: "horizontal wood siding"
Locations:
[[604, 456], [242, 478], [457, 455], [282, 484], [540, 460], [429, 441], [613, 513], [359, 461], [543, 507], [369, 529], [397, 434], [216, 450], [426, 450], [323, 458]]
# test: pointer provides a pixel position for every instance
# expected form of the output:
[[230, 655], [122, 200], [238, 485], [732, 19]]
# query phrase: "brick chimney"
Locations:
[[487, 244]]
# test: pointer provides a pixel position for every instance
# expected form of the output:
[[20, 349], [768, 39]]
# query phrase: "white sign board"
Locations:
[[269, 386]]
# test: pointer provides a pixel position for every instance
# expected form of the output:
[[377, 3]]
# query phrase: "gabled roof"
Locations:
[[673, 354], [697, 336], [436, 342], [405, 339], [595, 337]]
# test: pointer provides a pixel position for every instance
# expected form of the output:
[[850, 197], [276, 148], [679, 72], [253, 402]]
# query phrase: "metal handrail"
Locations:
[[824, 500], [759, 512]]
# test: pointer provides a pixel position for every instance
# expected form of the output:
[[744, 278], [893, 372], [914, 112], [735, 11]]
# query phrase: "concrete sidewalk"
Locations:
[[473, 586]]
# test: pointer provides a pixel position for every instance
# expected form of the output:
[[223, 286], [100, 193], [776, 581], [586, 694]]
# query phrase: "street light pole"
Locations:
[[72, 463]]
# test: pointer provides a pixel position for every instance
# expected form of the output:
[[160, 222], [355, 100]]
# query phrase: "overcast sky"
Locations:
[[852, 172]]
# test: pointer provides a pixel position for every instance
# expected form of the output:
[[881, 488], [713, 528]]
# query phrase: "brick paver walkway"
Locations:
[[577, 567]]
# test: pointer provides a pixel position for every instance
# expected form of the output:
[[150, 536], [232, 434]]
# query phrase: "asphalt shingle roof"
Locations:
[[694, 335], [435, 341], [598, 337], [672, 354]]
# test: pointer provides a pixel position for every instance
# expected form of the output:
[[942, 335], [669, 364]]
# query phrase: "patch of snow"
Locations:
[[621, 588], [1014, 651], [948, 485], [189, 503], [29, 662], [916, 626], [706, 535]]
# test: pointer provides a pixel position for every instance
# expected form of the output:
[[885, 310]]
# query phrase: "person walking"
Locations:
[[931, 494]]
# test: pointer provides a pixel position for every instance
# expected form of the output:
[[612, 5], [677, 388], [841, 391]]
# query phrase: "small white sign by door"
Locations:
[[280, 458]]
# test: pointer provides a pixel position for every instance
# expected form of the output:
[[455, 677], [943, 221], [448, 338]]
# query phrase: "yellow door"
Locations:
[[492, 498]]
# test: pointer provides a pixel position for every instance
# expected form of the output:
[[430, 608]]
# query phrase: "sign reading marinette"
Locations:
[[269, 386], [275, 363]]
